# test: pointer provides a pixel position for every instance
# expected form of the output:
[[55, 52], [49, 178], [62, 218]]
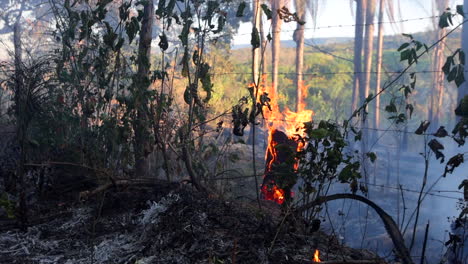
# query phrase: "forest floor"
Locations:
[[166, 223]]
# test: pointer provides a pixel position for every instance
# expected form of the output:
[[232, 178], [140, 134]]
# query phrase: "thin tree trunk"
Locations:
[[21, 119], [263, 58], [255, 59], [276, 24], [299, 39], [368, 50], [364, 89], [378, 70], [142, 144], [256, 51], [437, 93], [463, 89], [358, 39]]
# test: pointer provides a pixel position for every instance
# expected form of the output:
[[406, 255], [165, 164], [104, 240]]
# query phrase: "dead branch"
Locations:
[[84, 195], [389, 223]]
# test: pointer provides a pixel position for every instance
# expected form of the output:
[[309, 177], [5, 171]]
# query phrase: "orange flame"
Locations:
[[316, 256], [273, 194], [288, 122]]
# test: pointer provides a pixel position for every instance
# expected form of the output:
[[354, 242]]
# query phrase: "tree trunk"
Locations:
[[463, 89], [21, 119], [142, 143], [378, 70], [365, 87], [437, 93], [276, 23], [256, 51], [299, 39], [358, 39], [256, 67], [263, 58], [368, 50]]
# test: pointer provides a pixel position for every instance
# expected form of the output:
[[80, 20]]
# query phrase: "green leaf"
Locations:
[[403, 46], [452, 75], [447, 65], [318, 133], [460, 79], [255, 38], [461, 57], [410, 108], [267, 11], [371, 156], [408, 36], [391, 108], [460, 10], [163, 44], [405, 55], [422, 127], [436, 147], [161, 5], [240, 9], [444, 20]]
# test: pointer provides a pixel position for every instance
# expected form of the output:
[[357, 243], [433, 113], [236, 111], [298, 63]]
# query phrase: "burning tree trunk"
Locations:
[[279, 177]]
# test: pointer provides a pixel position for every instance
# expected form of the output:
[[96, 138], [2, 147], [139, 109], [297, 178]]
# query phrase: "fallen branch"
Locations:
[[117, 183], [389, 223]]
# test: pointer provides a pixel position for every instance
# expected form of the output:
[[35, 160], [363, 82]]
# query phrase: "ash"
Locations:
[[166, 224]]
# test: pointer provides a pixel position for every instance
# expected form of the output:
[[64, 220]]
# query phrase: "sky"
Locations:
[[333, 13]]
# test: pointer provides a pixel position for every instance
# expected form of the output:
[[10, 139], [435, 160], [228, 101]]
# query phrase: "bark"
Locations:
[[256, 51], [365, 87], [264, 41], [142, 144], [463, 89], [21, 118], [368, 50], [256, 66], [276, 24], [378, 70], [358, 39], [437, 92], [299, 39]]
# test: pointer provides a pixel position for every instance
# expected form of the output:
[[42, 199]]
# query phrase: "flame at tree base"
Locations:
[[273, 193], [284, 128], [316, 256]]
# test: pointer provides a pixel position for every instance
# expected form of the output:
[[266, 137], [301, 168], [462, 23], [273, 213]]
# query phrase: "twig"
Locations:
[[423, 255]]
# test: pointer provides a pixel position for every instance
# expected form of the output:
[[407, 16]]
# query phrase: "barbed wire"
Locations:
[[329, 73], [431, 193], [348, 25]]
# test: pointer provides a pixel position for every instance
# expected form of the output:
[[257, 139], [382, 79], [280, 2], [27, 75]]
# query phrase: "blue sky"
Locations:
[[338, 12]]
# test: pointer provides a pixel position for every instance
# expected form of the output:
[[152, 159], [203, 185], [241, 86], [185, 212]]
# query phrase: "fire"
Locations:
[[316, 256], [273, 194], [284, 127]]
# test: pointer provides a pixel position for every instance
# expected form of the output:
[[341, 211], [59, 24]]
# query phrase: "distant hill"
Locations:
[[391, 41], [292, 44]]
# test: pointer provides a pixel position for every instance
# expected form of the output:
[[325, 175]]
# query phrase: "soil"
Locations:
[[166, 223]]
